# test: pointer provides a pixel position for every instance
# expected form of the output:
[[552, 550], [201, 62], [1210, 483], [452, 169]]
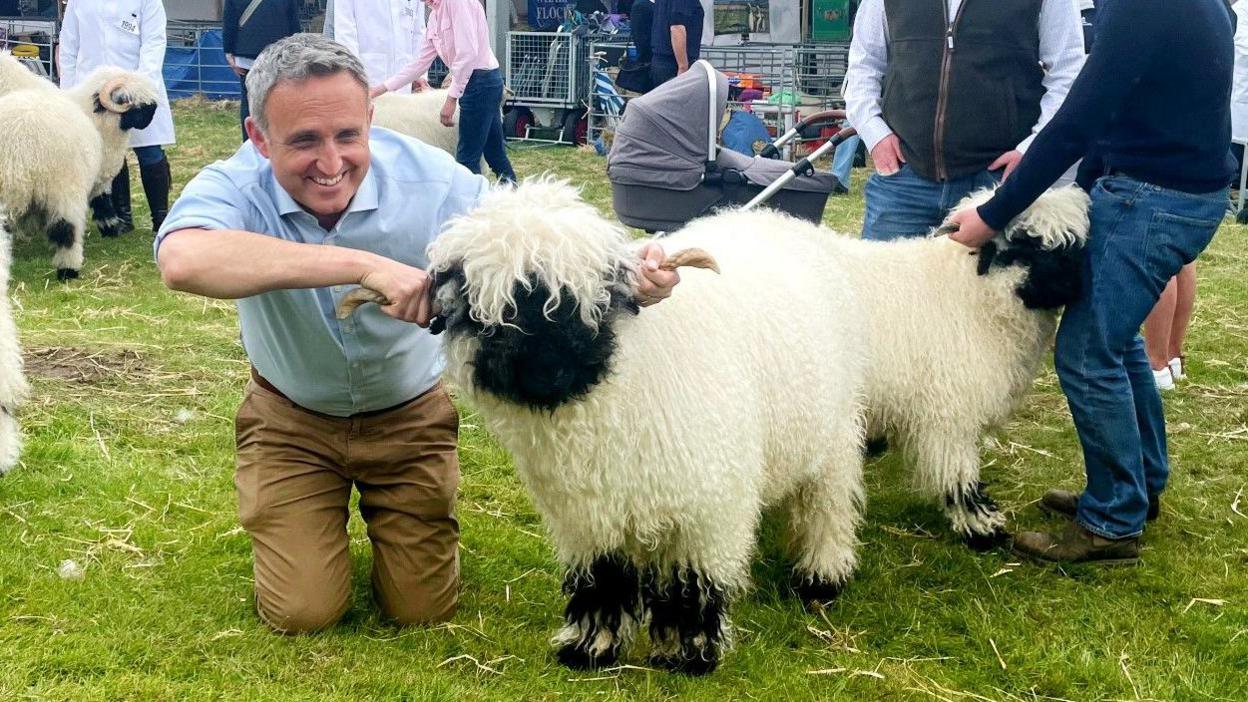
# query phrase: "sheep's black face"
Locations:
[[539, 359], [1054, 276], [139, 116]]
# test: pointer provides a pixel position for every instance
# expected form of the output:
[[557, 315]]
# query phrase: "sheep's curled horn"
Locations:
[[105, 96], [695, 258]]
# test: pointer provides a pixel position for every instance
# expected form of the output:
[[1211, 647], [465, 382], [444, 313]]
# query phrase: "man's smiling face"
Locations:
[[317, 141]]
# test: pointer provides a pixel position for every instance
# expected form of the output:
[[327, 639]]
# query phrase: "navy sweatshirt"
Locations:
[[272, 20], [1152, 102]]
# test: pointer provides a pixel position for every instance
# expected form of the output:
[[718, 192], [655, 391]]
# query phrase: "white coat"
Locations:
[[385, 34], [129, 34], [1239, 81]]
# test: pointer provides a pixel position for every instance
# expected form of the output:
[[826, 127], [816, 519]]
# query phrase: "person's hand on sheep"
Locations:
[[419, 85], [408, 291], [971, 230], [653, 283], [377, 90], [447, 115]]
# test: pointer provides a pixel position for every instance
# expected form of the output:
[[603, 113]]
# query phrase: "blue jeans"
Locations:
[[1141, 236], [905, 204], [149, 155], [481, 125], [843, 159]]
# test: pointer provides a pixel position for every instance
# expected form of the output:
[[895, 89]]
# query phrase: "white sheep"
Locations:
[[651, 442], [956, 337], [416, 115], [60, 149], [13, 388]]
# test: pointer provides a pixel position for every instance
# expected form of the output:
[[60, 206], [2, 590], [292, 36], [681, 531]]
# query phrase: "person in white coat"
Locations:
[[129, 34], [385, 34]]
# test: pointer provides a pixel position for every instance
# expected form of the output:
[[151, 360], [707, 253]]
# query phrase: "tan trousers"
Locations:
[[294, 478]]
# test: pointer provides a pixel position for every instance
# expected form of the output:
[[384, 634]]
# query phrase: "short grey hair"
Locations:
[[297, 58]]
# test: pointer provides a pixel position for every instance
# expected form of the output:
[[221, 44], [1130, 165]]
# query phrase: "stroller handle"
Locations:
[[802, 167], [773, 149]]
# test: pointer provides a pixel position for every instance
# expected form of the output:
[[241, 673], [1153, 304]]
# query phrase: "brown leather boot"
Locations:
[[1063, 503], [1076, 545]]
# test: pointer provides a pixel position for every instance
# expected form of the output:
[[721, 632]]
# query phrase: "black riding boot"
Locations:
[[121, 200], [156, 179]]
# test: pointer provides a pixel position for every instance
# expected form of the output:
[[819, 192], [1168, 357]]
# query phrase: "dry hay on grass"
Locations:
[[82, 366]]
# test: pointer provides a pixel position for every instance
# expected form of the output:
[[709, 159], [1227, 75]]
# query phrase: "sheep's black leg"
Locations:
[[982, 521], [688, 621], [63, 236], [604, 607], [105, 216]]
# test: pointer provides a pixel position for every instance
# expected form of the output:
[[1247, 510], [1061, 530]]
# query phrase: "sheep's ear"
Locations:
[[623, 296], [987, 254], [450, 294]]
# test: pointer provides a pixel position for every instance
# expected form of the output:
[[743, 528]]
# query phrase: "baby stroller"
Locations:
[[666, 168]]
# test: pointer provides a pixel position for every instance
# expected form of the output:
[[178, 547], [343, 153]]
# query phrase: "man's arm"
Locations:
[[1061, 51], [864, 86], [232, 264], [680, 49], [864, 77]]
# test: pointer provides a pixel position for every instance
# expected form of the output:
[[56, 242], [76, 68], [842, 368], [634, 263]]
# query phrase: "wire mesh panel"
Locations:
[[543, 70], [31, 41], [820, 72]]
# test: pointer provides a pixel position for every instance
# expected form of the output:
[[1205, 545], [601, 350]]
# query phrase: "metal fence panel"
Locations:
[[41, 34]]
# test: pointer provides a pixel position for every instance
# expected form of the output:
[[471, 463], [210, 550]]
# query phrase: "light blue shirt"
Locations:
[[369, 361]]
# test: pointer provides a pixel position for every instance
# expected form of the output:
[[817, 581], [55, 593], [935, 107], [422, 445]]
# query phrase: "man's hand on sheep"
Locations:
[[653, 282], [971, 230], [406, 291], [887, 156], [1006, 163], [447, 115]]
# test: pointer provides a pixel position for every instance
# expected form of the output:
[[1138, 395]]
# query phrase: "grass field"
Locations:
[[128, 471]]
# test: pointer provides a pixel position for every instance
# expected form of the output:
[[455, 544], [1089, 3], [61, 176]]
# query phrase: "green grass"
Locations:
[[128, 470]]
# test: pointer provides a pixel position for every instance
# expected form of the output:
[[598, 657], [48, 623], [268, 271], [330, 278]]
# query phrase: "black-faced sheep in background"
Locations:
[[60, 149]]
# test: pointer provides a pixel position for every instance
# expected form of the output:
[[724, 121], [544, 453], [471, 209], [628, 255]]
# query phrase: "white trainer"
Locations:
[[1176, 369], [1163, 378]]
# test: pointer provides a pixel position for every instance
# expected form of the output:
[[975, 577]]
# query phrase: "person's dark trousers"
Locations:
[[243, 108], [481, 125], [905, 204], [1141, 236], [121, 199], [662, 68], [154, 172]]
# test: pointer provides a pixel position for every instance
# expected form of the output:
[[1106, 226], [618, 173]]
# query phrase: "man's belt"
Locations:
[[259, 380]]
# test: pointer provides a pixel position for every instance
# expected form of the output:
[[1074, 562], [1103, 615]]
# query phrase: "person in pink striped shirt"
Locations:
[[456, 32]]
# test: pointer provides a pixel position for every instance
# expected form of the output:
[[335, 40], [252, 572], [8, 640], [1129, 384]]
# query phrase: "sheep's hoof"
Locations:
[[577, 658], [814, 590], [64, 274], [691, 662], [986, 542], [109, 228]]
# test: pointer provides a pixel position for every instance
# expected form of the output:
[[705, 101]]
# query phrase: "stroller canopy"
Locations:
[[668, 135]]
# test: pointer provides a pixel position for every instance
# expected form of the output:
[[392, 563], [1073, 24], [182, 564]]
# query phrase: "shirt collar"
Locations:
[[365, 198]]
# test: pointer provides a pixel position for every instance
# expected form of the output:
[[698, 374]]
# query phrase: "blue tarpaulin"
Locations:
[[200, 70]]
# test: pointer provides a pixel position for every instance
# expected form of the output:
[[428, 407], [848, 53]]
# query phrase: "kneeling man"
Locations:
[[313, 205]]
